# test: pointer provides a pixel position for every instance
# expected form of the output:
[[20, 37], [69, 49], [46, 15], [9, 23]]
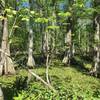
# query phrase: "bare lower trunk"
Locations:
[[47, 57], [45, 43], [68, 53], [73, 49], [6, 63], [1, 94], [47, 69], [9, 62], [30, 62], [79, 37], [1, 68], [96, 65]]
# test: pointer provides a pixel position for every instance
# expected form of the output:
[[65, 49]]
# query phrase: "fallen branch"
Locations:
[[39, 78]]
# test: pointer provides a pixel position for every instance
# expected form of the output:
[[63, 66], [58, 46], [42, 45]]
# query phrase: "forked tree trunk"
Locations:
[[6, 63]]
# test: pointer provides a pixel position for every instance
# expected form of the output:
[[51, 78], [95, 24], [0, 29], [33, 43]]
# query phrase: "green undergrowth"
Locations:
[[70, 83]]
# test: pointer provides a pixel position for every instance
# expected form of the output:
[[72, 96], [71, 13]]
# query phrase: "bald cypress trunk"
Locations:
[[67, 56], [1, 94], [96, 59], [31, 61], [96, 65], [6, 63], [68, 44]]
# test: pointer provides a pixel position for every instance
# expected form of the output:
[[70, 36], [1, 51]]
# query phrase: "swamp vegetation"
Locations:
[[49, 49]]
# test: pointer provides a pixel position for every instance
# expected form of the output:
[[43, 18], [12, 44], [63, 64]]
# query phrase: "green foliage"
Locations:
[[53, 27], [10, 11], [25, 18], [66, 14], [72, 85], [41, 20], [20, 97], [1, 17]]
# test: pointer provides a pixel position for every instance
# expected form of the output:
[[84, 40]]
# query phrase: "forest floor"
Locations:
[[71, 82]]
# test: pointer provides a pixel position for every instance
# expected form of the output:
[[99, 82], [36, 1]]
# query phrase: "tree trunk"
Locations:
[[47, 56], [96, 69], [6, 63], [68, 52], [1, 94], [47, 69], [31, 61]]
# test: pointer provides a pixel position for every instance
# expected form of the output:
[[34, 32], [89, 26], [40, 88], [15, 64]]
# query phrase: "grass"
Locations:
[[66, 80], [69, 75]]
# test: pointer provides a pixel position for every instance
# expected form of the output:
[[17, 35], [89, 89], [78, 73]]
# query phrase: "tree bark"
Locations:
[[47, 55], [31, 61], [68, 52], [96, 68], [1, 94], [6, 63]]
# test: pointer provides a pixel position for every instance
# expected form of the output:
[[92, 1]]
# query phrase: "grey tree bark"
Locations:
[[96, 60], [68, 42], [31, 61], [96, 68], [1, 94], [47, 58], [6, 63]]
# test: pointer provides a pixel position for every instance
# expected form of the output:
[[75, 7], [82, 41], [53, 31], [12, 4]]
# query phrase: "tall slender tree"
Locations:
[[31, 61], [96, 58], [6, 63]]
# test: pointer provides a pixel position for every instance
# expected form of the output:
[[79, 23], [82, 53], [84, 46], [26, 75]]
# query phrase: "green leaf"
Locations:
[[53, 27], [32, 12], [1, 17], [14, 12], [25, 19], [62, 14], [8, 10], [41, 20], [10, 16], [16, 26]]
